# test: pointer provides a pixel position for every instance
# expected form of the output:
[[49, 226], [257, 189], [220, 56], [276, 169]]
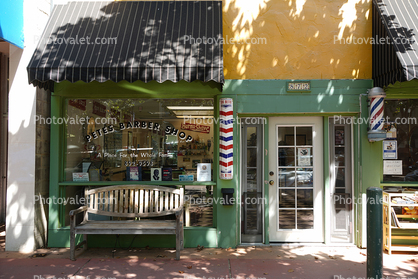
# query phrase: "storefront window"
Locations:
[[403, 115], [139, 140]]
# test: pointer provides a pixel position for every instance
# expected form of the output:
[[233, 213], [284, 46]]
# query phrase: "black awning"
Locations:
[[155, 40], [395, 59]]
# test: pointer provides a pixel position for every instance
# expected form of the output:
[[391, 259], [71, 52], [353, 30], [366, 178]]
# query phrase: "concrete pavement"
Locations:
[[244, 262]]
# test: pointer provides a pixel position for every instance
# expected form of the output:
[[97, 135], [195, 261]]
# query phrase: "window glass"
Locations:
[[403, 115], [139, 140]]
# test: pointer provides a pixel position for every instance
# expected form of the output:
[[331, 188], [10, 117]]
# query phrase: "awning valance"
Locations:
[[155, 40], [398, 20]]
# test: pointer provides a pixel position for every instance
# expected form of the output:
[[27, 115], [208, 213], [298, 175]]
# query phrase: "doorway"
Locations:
[[341, 181], [296, 179], [252, 183]]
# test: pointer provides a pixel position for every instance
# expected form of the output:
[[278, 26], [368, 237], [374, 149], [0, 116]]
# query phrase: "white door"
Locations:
[[296, 179]]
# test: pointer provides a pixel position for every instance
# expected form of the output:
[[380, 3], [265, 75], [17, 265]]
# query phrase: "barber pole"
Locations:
[[226, 130], [376, 96], [376, 114]]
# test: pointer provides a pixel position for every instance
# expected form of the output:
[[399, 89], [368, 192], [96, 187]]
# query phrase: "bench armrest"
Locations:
[[78, 210]]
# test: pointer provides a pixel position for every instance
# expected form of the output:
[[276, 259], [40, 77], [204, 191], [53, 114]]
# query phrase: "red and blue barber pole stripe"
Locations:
[[376, 113], [226, 143]]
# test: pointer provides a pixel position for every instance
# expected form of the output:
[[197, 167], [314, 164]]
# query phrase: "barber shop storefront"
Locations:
[[260, 161], [136, 105]]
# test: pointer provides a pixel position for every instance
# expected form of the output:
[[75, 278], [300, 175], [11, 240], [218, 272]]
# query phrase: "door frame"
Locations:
[[240, 190], [349, 120], [319, 197]]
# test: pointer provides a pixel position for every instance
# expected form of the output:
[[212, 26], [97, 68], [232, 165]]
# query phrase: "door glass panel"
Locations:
[[286, 136], [339, 136], [251, 206], [287, 219], [286, 177], [252, 220], [305, 219], [251, 136], [286, 198], [304, 177], [286, 156], [340, 178], [339, 156], [303, 135], [251, 180], [251, 157], [305, 198]]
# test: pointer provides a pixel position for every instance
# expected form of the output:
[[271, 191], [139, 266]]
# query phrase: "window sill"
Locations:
[[110, 183]]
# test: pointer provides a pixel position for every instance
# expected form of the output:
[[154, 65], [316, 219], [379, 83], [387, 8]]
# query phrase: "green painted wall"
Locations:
[[265, 98], [270, 96]]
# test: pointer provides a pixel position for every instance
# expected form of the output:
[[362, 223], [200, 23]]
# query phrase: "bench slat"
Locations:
[[141, 201], [136, 201], [146, 201], [156, 201]]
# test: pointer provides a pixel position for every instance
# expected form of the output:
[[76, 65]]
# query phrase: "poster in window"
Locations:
[[203, 172], [304, 156], [156, 174], [390, 149]]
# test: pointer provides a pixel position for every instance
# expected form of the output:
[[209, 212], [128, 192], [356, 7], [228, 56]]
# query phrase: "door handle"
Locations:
[[271, 182]]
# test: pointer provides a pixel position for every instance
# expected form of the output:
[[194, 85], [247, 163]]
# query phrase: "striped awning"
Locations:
[[396, 22], [141, 40]]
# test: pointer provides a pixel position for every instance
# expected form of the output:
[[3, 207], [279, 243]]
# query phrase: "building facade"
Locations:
[[278, 110]]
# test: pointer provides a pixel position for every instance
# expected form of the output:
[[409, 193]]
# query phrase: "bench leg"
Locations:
[[182, 238], [178, 242], [85, 242], [72, 246]]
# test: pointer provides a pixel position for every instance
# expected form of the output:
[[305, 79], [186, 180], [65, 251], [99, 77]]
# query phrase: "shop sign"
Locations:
[[139, 125], [298, 86], [195, 128], [390, 149], [99, 109], [80, 104], [392, 167]]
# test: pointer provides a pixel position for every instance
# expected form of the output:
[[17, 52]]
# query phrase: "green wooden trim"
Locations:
[[137, 89], [55, 165], [266, 185], [327, 182], [399, 184], [278, 87], [267, 115], [109, 183]]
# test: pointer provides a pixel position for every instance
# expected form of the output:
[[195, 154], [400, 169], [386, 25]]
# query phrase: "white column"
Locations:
[[22, 133]]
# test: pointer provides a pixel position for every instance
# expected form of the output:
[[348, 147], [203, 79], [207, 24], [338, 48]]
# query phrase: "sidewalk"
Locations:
[[244, 262]]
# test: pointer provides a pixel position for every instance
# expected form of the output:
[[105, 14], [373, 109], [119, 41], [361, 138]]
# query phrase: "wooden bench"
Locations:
[[130, 201]]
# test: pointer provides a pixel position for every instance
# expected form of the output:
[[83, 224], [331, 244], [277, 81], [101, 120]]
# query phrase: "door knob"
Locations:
[[271, 182]]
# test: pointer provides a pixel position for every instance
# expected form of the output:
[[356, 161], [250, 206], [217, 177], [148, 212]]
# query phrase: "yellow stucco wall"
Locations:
[[299, 39]]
